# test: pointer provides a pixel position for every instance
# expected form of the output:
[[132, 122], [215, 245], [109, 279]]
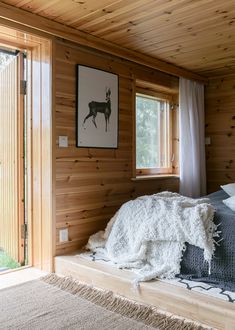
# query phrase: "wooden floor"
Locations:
[[170, 298], [19, 276]]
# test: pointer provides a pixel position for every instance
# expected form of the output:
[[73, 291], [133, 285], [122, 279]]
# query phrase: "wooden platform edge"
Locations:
[[169, 298]]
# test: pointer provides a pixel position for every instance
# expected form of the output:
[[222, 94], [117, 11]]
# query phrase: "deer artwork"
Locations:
[[102, 107]]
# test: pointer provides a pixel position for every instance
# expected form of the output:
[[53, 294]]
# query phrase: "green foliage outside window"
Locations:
[[147, 132], [4, 60]]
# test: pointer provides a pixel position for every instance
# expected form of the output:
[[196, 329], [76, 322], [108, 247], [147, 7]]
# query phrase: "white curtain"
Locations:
[[192, 139]]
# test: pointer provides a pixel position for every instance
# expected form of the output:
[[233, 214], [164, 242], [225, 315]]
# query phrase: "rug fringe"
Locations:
[[147, 314]]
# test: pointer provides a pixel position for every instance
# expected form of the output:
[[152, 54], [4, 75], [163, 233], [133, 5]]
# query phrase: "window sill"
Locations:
[[155, 177]]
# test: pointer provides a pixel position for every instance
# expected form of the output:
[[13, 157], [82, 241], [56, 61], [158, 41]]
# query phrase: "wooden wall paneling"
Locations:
[[134, 128], [80, 205], [91, 184], [166, 82], [220, 127]]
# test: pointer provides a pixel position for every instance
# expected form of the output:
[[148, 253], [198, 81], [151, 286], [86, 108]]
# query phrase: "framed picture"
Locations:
[[97, 108]]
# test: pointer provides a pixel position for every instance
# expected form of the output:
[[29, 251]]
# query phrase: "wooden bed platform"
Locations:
[[170, 298]]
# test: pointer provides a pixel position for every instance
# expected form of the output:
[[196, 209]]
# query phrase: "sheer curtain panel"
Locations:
[[192, 138]]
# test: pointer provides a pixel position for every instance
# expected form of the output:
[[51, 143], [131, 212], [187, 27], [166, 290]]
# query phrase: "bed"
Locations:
[[185, 297], [155, 250], [223, 263]]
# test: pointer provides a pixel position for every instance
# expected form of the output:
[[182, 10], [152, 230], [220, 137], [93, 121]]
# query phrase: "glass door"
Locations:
[[13, 229]]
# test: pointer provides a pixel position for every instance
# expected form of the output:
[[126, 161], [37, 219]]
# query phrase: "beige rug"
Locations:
[[62, 303]]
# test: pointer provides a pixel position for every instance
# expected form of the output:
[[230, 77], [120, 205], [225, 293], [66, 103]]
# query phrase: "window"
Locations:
[[153, 135]]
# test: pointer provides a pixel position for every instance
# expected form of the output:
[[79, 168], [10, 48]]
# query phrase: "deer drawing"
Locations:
[[102, 107]]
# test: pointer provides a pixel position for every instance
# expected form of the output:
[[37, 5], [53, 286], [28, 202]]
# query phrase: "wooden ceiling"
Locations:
[[198, 35]]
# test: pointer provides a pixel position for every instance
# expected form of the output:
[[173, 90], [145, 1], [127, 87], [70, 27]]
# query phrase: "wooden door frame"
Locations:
[[21, 170], [42, 228], [40, 182]]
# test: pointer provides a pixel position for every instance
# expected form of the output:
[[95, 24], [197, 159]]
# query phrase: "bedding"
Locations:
[[229, 188], [223, 263], [230, 202], [193, 266], [155, 250]]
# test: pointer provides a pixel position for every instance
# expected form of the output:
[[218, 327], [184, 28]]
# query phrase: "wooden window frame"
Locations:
[[138, 172]]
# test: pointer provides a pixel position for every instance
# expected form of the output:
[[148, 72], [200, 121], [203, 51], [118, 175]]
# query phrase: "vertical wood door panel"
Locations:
[[8, 159]]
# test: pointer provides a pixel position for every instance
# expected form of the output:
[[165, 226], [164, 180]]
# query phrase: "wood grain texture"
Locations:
[[211, 311], [54, 28], [9, 161], [38, 143], [196, 35], [41, 148], [91, 184], [220, 127]]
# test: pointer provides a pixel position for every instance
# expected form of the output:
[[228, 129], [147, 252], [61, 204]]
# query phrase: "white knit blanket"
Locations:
[[148, 234]]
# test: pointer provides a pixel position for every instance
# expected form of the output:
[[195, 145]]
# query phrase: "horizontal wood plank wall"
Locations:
[[91, 184], [220, 127]]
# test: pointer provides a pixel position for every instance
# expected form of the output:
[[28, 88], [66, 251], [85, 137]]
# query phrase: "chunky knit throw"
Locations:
[[148, 234]]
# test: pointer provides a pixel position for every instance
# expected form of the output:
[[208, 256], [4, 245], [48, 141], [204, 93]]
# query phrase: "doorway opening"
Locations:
[[34, 180], [13, 160]]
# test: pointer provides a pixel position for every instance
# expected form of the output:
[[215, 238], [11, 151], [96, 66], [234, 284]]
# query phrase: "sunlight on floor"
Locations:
[[20, 276]]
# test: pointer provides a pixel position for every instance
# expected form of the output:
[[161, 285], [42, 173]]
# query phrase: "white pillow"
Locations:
[[230, 202], [229, 189]]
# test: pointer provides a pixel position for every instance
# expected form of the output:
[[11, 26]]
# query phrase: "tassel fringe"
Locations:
[[146, 314]]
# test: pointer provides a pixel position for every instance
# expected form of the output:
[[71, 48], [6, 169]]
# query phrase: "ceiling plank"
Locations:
[[187, 33], [56, 29]]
